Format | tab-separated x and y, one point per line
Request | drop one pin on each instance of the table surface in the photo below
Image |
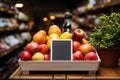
101	74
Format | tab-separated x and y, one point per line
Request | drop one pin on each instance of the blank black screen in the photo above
61	50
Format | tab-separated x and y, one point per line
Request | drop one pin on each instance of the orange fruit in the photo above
52	36
40	37
42	31
54	29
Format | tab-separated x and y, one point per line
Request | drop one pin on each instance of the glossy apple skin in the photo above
91	56
32	47
78	55
47	56
25	55
76	46
43	48
78	35
86	48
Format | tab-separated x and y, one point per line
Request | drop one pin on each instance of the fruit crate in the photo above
60	61
80	65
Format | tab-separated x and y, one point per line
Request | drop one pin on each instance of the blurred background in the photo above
21	19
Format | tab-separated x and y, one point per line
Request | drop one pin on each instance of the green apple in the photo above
38	56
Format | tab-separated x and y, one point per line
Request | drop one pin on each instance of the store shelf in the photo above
101	6
7	29
88	18
7	12
12	38
6	52
12	30
116	2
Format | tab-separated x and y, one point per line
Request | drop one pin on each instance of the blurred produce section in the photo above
14	34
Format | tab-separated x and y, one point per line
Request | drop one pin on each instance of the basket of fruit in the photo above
38	54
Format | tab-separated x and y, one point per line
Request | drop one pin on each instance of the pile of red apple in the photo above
82	50
35	51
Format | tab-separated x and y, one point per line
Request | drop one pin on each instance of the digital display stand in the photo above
61	50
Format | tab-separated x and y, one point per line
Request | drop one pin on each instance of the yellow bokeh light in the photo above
52	17
19	5
45	19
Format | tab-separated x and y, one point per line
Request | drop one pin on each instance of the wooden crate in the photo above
80	65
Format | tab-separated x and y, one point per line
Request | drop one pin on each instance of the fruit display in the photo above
40	46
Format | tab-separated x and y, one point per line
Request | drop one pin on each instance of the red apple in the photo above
86	48
76	46
91	56
78	55
47	56
43	48
78	35
25	55
32	47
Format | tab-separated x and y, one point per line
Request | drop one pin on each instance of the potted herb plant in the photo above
106	39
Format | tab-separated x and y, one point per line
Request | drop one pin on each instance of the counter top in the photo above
101	74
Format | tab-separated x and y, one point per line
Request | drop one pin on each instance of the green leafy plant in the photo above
108	34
